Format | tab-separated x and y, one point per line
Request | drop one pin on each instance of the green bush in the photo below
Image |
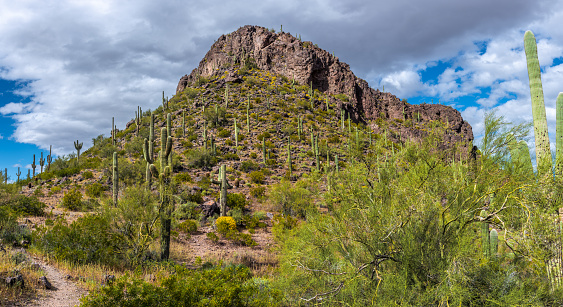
72	200
247	166
214	287
94	190
188	210
116	236
212	237
200	158
258	191
257	177
54	190
183	177
188	226
23	205
225	133
10	231
87	175
236	200
291	199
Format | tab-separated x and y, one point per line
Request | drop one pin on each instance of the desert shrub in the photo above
188	226
241	238
247	166
236	200
72	200
282	225
253	155
94	190
87	175
212	237
231	156
200	158
215	286
225	224
256	177
188	210
225	133
54	190
10	231
258	191
291	199
183	177
116	236
264	135
215	117
23	205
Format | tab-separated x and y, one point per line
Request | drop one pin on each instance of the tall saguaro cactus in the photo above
78	147
223	186
115	178
33	165
164	175
18	174
559	136
148	152
41	162
49	158
543	152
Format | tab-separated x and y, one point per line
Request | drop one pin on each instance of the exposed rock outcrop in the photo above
281	53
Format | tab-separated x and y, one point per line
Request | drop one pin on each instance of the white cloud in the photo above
91	60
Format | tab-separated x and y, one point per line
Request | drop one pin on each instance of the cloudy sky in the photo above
68	66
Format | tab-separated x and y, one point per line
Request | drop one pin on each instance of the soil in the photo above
65	292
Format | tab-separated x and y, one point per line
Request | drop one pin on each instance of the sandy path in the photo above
65	292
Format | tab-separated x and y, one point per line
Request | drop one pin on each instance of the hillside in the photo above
251	186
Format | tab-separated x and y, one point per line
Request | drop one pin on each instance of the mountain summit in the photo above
305	63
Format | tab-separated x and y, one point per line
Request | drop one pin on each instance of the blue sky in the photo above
67	67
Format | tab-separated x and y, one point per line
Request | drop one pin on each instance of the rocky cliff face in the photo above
281	53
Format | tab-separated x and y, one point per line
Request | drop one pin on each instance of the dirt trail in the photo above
64	293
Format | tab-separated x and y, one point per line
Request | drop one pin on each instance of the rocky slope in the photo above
281	53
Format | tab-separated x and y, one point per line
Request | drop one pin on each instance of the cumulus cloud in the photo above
88	61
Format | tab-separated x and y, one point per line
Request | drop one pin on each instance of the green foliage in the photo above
258	191
188	226
212	237
72	200
22	205
200	158
94	190
257	177
236	201
116	236
247	166
188	210
216	286
10	231
225	133
293	200
183	177
87	175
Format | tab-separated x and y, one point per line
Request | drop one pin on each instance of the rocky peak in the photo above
283	54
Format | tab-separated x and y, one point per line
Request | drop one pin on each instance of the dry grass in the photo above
12	263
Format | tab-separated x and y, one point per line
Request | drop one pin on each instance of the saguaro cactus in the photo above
485	236
543	152
115	177
493	242
148	152
223	186
78	147
18	174
183	124
113	131
41	162
33	166
559	136
166	206
289	156
49	158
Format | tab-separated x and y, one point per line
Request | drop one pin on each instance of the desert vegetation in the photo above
261	191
